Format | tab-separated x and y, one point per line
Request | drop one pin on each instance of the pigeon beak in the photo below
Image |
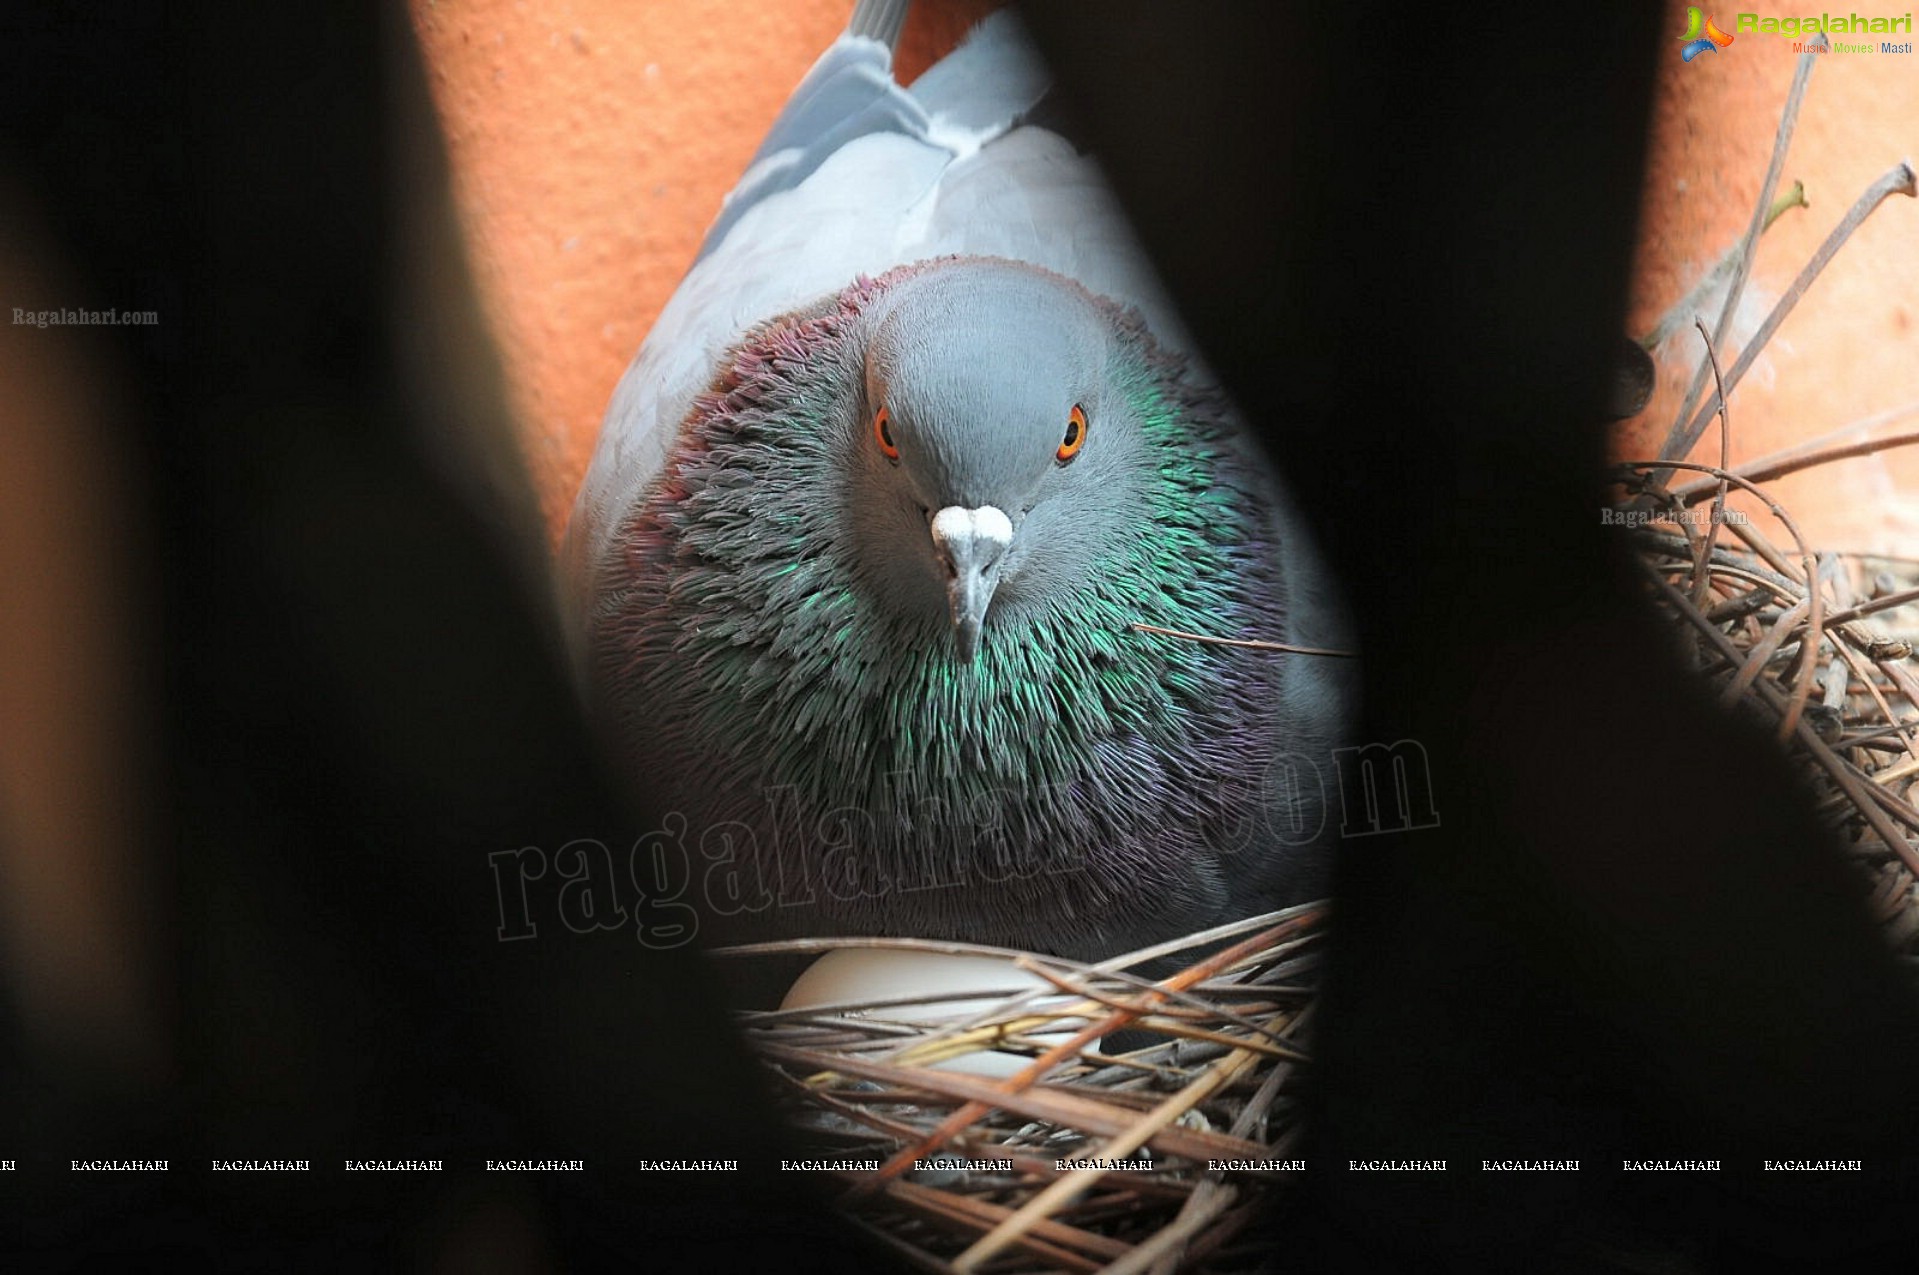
970	544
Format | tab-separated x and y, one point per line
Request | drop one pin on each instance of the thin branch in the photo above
1013	1089
1677	445
1725	462
1815	619
1898	180
1249	644
1890	602
1143	1131
1820	451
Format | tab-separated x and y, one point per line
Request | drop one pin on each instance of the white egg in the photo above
856	975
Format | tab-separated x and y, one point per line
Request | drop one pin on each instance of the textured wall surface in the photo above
1851	347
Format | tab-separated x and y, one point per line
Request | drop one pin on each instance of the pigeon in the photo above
857	565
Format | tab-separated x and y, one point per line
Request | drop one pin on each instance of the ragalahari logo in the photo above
1701	34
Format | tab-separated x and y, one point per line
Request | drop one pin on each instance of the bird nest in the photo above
1793	639
1150	1159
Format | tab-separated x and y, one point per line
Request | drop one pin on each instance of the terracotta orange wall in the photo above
1851	347
590	143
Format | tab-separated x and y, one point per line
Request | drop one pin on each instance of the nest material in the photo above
1212	1105
1215	1104
1792	636
1817	663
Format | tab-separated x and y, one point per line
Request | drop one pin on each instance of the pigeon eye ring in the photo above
883	430
1075	434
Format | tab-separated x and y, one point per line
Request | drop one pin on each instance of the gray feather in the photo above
849	94
989	85
879	20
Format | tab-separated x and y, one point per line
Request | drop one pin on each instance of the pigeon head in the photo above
991	438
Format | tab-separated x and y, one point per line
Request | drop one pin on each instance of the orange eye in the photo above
1075	434
883	431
